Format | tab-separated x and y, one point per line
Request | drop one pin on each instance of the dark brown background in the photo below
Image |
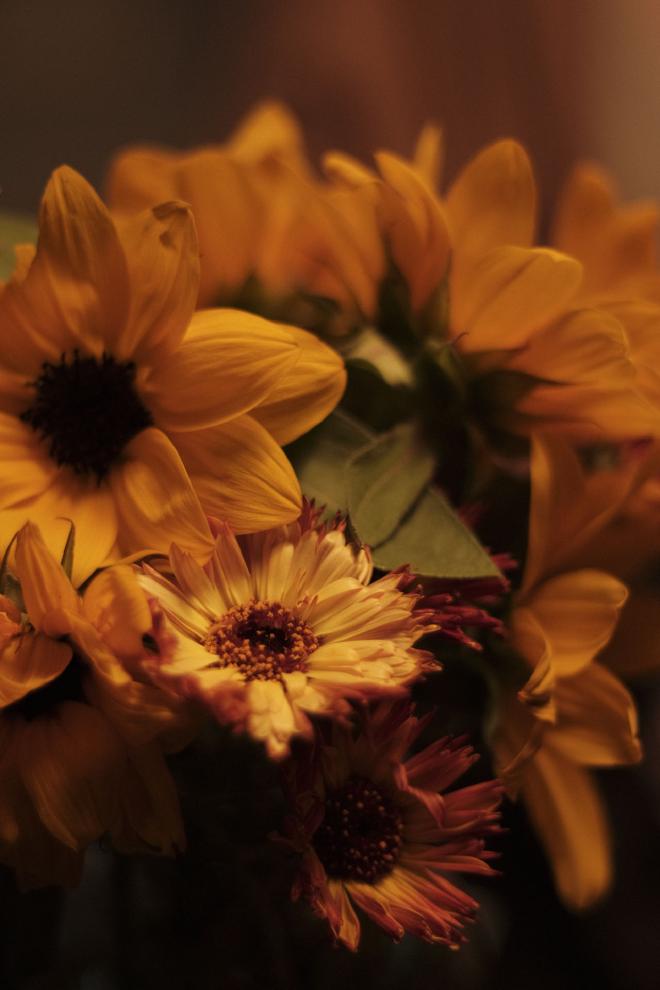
569	77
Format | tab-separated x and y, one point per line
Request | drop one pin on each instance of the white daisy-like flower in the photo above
283	624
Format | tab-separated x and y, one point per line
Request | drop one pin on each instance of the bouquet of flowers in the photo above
287	455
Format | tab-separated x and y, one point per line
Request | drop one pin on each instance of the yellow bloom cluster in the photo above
161	564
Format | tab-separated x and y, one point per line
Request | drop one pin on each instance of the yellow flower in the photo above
571	705
113	392
283	625
374	831
82	740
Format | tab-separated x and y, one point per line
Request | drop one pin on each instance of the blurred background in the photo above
571	79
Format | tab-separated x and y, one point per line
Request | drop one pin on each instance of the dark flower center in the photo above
67	686
262	639
361	833
86	410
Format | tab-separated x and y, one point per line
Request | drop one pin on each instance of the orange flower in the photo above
383	834
284	625
571	705
112	392
82	740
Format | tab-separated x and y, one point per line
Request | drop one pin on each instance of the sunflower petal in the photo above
44	585
229	362
28	662
241	475
155	501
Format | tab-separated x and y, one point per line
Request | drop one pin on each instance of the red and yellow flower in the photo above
283	625
385	833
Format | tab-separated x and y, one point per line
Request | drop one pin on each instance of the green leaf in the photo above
14	229
384	481
435	543
321	456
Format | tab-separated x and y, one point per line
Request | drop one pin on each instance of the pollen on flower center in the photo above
262	639
361	833
86	410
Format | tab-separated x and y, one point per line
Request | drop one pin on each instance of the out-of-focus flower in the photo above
82	740
266	225
382	832
112	392
283	625
571	706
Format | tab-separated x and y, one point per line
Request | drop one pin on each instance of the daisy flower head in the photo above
82	739
382	832
282	625
125	411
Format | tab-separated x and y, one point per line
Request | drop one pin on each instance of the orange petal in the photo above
71	765
163	263
597	723
117	608
269	130
150	814
229	362
571	821
509	295
577	612
306	394
241	475
429	153
28	662
140	177
155	501
493	201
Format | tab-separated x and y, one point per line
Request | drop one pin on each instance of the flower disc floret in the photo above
361	833
263	640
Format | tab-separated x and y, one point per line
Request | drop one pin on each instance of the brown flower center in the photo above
360	836
86	410
262	639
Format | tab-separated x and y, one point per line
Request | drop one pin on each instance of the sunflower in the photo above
382	832
112	393
82	740
571	706
282	625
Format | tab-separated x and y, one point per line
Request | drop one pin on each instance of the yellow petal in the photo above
493	201
27	471
150	814
155	501
241	475
44	585
597	720
569	816
577	612
28	662
306	394
510	294
79	266
416	227
229	362
163	264
71	764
